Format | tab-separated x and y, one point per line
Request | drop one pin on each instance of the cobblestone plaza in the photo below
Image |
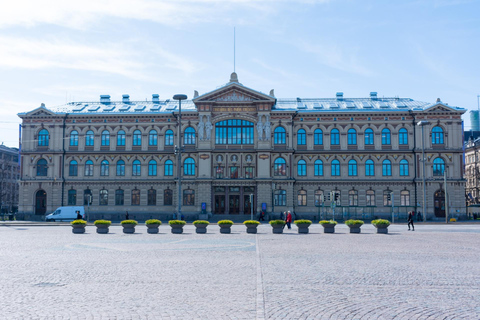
50	273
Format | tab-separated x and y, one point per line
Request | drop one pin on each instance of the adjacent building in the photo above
9	176
357	157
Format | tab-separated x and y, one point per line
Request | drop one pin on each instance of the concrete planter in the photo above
225	228
355	228
201	228
328	228
177	228
128	228
251	228
382	230
152	228
277	229
303	227
102	229
78	228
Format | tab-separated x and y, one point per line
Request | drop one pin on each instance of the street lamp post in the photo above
178	151
422	124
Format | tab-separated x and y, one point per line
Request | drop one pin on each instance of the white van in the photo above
65	214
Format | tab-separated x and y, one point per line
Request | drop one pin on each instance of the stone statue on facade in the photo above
260	128
267	129
208	128
201	129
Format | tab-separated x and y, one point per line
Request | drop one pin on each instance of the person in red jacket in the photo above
288	220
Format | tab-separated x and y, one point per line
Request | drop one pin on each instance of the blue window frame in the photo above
279	135
152	168
352	137
74	138
318	137
369	140
352	168
73	168
43	138
318	168
301	137
168	168
302	168
386	168
105	138
335	168
369	168
137	138
334	137
280	167
189	167
121	138
403	168
120	168
437	135
169	138
234	131
136	168
89	140
403	136
189	136
42	168
89	168
438	167
152	138
104	168
386	137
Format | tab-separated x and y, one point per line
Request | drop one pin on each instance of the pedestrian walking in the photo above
419	216
288	220
126	216
411	215
79	216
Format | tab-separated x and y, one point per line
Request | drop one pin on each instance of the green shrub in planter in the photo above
225	222
200	222
106	223
129	226
255	222
176	222
381	223
303	225
352	222
304	222
277	223
251	226
129	222
328	222
78	222
328	226
153	221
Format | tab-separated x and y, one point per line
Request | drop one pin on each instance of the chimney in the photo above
105	99
373	95
125	98
155	98
339	95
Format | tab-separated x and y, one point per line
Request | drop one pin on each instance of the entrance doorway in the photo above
234	204
247	204
439	203
40	202
233	200
219	204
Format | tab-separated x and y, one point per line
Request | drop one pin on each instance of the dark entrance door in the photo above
40	202
234	204
219	204
247	205
439	204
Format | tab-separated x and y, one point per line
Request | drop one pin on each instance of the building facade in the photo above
9	176
357	157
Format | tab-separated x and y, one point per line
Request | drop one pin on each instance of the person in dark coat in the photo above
79	216
410	218
126	216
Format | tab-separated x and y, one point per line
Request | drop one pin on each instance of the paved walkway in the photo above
49	273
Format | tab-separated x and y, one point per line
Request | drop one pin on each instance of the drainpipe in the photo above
414	157
63	159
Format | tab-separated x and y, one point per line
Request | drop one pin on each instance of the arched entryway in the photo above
439	203
40	202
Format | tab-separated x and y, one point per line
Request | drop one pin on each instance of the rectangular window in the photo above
72	197
188	197
167	197
119	198
152	197
280	198
103	197
233	172
249	173
135	197
219	174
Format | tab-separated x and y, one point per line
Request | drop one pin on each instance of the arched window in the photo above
121	138
169	138
280	197
335	168
370	198
73	168
167	197
105	138
189	167
104	168
437	135
189	136
87	197
404	198
352	168
152	168
137	138
188	197
280	167
120	168
301	137
168	168
353	198
403	136
74	138
152	197
279	135
89	168
386	137
234	131
352	136
438	167
136	168
369	168
302	168
318	137
135	197
318	168
318	198
334	137
302	198
103	197
386	168
43	138
387	198
152	138
72	197
89	138
369	137
403	168
119	197
42	168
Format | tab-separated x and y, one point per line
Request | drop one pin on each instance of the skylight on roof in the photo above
171	107
78	109
400	104
301	106
93	108
109	108
316	105
140	108
124	108
383	104
155	108
350	104
366	105
334	106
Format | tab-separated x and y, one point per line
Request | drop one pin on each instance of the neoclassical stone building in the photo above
290	154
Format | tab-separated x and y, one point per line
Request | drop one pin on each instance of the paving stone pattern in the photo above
49	273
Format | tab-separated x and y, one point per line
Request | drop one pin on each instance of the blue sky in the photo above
57	51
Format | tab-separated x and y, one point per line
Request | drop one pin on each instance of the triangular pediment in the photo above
40	112
440	107
233	92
